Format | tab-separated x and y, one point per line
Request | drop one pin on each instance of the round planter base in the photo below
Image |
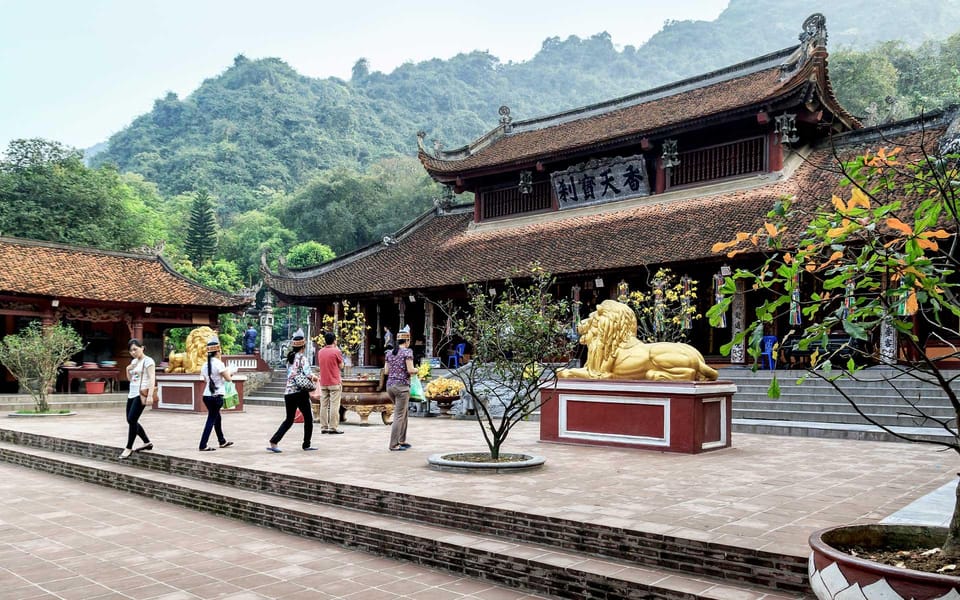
439	462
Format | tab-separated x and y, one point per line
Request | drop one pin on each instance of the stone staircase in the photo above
540	554
815	409
270	394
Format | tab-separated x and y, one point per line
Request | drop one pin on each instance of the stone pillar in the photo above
737	318
266	323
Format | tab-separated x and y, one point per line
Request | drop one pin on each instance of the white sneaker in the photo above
126	452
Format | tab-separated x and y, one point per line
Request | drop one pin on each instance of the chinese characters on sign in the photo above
599	181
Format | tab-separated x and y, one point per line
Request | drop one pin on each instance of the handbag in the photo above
303	383
145	393
231	397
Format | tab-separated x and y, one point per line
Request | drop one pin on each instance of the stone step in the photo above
846	431
723	568
843	407
834	417
524	566
13	403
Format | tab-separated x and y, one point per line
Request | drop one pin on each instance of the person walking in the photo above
330	363
399	367
141	372
214	373
294	398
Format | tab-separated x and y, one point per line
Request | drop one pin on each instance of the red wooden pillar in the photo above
661	183
774	153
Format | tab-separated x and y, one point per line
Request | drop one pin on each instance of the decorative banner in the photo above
658	306
718	297
601	180
685	302
848	292
795	301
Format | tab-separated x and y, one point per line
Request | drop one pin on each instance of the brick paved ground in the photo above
62	539
765	492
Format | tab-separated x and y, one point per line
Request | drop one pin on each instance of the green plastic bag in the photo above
416	388
231	397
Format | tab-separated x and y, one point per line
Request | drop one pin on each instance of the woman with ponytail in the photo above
214	373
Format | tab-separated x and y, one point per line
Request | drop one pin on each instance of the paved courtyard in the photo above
765	492
67	540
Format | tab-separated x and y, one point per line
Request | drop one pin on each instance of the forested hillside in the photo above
260	127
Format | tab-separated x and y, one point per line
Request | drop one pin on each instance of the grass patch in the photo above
61	411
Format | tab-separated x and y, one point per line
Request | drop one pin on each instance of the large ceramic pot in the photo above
362	397
836	574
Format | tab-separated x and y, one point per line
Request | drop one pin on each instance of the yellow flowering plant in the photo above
443	387
666	312
424	370
350	328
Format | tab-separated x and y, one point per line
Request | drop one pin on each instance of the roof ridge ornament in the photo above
505	118
389	240
813	36
443	203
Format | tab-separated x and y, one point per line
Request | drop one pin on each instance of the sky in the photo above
78	71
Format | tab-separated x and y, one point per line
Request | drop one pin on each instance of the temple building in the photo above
107	297
604	195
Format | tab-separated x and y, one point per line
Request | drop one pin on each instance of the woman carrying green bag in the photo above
216	375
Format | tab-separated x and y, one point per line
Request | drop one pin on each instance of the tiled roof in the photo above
442	251
46	269
748	85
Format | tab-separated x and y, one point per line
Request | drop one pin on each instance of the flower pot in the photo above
94	387
835	573
444	403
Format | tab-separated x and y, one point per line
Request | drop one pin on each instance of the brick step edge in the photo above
572	577
776	572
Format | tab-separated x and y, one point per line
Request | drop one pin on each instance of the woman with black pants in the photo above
141	372
294	398
214	373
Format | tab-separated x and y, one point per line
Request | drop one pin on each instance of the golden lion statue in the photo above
614	352
195	357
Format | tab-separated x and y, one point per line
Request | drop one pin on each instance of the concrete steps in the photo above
539	554
270	394
15	402
815	409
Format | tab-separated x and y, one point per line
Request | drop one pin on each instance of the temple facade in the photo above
605	195
107	297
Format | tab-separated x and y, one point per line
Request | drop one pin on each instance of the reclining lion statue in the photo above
195	357
614	352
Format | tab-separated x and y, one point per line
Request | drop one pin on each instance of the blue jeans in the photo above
213	404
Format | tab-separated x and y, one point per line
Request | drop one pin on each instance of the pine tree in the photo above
201	242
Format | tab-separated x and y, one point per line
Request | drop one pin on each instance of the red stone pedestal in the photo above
184	392
671	416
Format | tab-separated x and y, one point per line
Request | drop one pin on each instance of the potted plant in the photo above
34	357
444	392
877	261
514	331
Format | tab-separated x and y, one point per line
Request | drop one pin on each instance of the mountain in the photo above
260	128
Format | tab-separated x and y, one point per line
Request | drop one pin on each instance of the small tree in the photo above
34	357
667	311
514	333
881	261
